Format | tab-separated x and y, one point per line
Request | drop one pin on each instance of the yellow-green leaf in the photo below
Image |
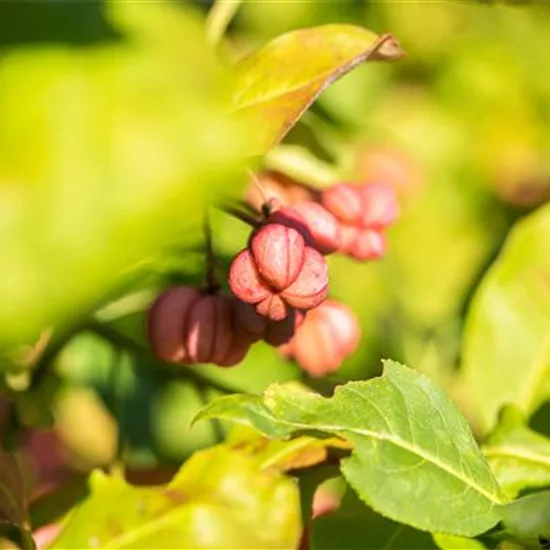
219	499
519	456
506	352
279	82
107	154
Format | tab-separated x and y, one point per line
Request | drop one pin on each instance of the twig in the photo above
241	215
218	19
212	284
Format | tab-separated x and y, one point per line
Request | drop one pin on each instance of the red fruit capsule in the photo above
278	272
344	202
274	333
278	253
209	330
379	205
245	281
327	336
167	323
363	212
369	245
316	224
185	326
310	288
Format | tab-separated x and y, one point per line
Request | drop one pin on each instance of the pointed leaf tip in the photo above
389	49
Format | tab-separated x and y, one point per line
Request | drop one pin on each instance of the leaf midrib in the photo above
325	78
415	449
398	442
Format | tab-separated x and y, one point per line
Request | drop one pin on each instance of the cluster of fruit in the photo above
279	281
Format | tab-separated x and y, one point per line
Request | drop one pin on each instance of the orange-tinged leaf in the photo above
280	81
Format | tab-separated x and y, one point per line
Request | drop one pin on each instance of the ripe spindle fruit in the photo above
379	206
279	271
364	212
328	335
186	326
316	224
274	333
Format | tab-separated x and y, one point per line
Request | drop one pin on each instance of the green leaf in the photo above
355	527
448	542
506	351
410	443
113	152
219	499
280	81
528	517
518	456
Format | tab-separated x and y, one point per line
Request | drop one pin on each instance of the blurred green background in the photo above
112	142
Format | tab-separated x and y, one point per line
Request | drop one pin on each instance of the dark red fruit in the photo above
274	333
185	326
167	322
327	336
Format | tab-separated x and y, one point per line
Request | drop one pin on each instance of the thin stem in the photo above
218	19
211	282
115	383
241	215
242	204
258	185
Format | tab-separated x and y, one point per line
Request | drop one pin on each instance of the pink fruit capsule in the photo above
210	330
278	253
167	322
327	336
310	288
380	207
369	245
278	272
344	202
245	281
316	224
187	327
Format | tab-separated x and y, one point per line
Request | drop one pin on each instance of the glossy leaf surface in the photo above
399	425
